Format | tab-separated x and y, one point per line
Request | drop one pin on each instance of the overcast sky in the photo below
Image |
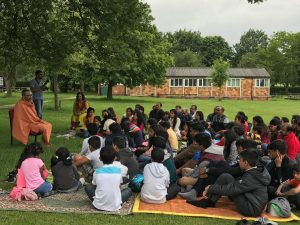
227	18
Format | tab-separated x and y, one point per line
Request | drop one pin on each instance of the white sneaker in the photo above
82	181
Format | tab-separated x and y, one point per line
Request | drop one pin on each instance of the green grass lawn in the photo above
61	122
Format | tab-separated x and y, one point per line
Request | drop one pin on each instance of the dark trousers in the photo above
294	199
202	183
271	192
38	103
243	205
172	191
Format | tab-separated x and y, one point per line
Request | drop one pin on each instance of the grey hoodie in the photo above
252	184
156	182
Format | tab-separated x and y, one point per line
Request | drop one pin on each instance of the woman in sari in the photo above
79	111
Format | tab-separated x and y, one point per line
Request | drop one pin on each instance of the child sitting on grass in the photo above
249	192
65	174
34	170
107	179
156	179
291	188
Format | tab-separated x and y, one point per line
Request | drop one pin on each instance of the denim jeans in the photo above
143	161
43	188
90	191
38	103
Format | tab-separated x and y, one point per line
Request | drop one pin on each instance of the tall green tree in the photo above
250	42
187	59
184	40
49	37
213	48
283	58
11	51
219	74
123	42
257	59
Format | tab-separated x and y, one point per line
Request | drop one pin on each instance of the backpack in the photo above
279	207
136	183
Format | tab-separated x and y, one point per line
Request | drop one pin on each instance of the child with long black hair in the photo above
66	177
34	169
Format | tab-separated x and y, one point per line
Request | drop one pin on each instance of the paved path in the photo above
12	105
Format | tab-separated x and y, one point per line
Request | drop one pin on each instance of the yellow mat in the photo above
225	209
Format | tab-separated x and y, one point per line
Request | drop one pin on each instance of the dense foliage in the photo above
80	43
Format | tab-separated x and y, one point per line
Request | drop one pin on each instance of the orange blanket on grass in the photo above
225	209
25	120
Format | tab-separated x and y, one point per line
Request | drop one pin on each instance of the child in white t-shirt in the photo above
107	179
88	163
156	179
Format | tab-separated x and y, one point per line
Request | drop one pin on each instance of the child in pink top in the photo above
34	170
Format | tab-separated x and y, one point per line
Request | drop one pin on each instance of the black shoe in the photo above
203	203
47	194
243	222
11	177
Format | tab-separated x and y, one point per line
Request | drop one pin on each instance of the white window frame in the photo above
179	82
262	83
234	82
208	82
191	82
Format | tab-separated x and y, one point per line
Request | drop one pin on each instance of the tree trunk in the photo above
82	86
8	85
55	92
286	88
10	78
109	91
219	93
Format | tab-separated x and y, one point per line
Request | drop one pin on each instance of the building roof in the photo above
205	72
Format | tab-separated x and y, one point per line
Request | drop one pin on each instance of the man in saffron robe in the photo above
25	120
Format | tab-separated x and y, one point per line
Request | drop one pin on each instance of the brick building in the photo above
243	83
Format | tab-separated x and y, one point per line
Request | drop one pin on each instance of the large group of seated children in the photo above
171	153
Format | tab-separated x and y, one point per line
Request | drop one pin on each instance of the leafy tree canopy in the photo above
122	40
187	59
213	48
250	41
184	40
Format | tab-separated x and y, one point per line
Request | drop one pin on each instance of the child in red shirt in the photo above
291	188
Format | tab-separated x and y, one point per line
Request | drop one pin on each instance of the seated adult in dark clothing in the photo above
116	130
209	175
281	166
210	117
157	112
219	120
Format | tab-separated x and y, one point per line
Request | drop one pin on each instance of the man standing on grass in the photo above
37	87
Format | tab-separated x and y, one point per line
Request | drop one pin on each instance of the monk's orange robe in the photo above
26	120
